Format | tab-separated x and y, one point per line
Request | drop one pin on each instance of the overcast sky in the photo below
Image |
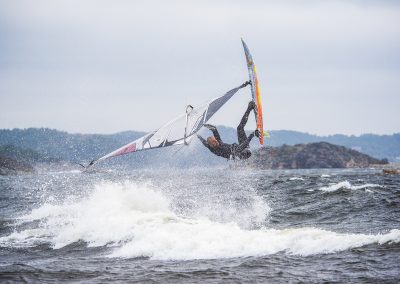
325	67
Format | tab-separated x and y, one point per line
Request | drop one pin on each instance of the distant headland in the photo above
24	149
311	156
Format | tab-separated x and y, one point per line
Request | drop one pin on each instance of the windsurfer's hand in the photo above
257	133
209	126
245	84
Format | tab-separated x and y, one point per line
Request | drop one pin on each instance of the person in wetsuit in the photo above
231	151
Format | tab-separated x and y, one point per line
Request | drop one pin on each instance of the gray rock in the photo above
312	155
9	166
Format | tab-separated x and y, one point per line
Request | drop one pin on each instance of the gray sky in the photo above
325	67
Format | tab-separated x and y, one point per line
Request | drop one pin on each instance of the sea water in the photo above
200	225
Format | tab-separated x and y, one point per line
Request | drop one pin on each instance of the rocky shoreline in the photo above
9	166
301	156
309	156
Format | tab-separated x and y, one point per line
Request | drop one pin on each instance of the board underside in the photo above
255	91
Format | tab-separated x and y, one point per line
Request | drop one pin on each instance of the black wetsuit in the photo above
232	151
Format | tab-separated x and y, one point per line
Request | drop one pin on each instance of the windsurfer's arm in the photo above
246	143
203	140
214	131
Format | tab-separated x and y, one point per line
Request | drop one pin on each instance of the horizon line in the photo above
144	132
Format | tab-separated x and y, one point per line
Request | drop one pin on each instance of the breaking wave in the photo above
136	220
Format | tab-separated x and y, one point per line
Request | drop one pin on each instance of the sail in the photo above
176	132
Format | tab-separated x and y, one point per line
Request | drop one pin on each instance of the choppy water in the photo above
201	226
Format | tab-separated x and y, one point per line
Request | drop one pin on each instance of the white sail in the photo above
176	132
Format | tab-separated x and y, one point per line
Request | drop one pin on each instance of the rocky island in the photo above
10	166
309	156
17	160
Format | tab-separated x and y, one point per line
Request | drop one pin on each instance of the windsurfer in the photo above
231	151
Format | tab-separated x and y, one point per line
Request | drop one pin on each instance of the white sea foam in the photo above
136	220
296	178
246	211
204	240
108	215
346	185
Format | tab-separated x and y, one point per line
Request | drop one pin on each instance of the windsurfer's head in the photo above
212	142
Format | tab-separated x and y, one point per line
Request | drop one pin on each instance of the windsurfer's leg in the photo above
245	154
240	129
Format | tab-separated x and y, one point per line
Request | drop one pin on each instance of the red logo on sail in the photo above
127	149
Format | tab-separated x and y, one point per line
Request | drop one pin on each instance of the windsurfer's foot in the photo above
252	106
